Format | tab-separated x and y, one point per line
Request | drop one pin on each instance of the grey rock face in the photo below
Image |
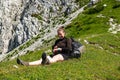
20	20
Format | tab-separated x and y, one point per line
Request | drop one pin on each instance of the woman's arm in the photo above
54	47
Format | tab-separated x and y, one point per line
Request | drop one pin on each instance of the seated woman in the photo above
61	51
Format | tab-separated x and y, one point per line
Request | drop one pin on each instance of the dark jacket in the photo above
65	44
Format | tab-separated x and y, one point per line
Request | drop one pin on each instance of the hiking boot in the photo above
45	59
22	62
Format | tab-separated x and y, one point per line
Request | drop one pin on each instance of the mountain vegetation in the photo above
98	28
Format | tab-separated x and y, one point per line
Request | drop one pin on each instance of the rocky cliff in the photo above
21	20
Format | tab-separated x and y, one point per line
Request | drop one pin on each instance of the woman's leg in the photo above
35	63
55	58
49	59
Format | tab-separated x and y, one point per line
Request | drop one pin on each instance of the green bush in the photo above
51	9
81	2
116	5
37	16
95	9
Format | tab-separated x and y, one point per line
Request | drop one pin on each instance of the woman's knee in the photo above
58	57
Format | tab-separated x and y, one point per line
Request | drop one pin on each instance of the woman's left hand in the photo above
56	50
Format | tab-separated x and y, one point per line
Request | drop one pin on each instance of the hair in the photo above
61	28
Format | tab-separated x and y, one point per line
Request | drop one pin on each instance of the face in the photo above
61	34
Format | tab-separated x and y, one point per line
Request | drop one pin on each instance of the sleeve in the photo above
54	44
68	49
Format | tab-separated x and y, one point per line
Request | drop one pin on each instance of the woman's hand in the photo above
57	49
54	50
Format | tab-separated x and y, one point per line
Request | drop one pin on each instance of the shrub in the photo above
81	2
51	9
95	9
116	5
37	16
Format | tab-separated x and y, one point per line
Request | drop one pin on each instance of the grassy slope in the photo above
95	64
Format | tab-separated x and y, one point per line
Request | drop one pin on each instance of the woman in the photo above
61	51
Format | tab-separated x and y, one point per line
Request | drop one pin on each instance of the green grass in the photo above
101	61
94	64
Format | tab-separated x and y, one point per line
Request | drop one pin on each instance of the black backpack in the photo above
77	49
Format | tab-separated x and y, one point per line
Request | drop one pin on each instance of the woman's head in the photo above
61	32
